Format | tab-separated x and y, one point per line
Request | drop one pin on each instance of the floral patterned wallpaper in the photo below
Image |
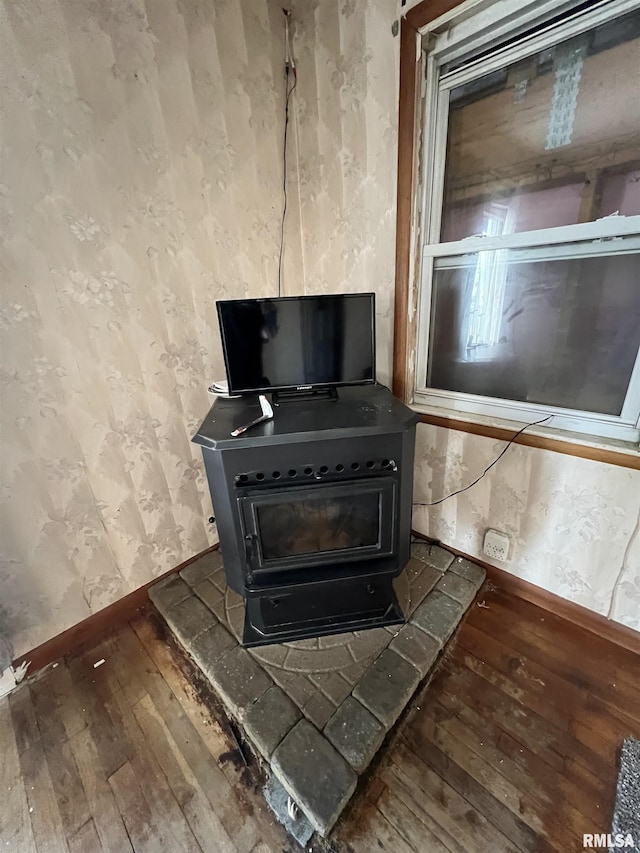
344	174
575	523
141	181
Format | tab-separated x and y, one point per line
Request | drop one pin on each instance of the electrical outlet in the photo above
496	545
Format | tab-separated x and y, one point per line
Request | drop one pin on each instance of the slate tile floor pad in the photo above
328	701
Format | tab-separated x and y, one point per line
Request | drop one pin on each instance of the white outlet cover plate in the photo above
496	545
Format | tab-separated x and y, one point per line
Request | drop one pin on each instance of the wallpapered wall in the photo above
344	173
574	522
141	181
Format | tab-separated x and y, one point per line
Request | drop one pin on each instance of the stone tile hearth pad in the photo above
417	647
329	700
269	719
438	616
355	733
386	687
239	680
314	773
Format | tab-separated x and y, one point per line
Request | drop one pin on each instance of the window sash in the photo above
608	236
572	25
458	405
436	112
482	24
624	426
612	235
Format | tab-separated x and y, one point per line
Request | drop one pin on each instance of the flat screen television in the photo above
298	343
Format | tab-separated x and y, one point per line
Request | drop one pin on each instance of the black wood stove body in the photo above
313	510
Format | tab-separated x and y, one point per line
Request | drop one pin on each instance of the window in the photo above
529	301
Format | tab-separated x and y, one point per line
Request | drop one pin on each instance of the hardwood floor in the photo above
125	756
512	746
514	743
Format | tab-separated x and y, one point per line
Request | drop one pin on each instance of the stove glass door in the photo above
306	526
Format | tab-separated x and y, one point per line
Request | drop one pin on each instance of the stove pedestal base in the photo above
319	609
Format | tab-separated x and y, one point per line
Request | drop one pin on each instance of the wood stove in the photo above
313	510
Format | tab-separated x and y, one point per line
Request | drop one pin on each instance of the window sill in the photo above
612	452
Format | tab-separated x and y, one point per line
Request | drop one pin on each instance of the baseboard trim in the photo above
98	624
578	615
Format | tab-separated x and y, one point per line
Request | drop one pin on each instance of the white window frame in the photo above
471	25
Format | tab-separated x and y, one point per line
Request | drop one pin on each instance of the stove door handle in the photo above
250	540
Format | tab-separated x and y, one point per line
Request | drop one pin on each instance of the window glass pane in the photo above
551	140
554	332
318	524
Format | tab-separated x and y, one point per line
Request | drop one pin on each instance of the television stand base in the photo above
295	396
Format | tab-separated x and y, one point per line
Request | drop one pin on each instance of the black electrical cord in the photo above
489	467
289	91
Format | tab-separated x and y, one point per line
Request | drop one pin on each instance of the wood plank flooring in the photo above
513	746
124	756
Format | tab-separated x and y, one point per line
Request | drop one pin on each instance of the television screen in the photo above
297	342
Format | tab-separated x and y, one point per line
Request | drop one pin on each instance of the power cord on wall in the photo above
289	68
488	468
